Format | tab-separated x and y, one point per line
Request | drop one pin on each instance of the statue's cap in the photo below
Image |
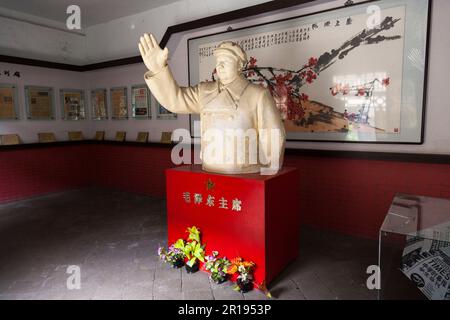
233	49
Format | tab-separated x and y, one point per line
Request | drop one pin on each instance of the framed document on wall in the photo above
140	101
119	103
99	105
343	75
9	106
72	104
39	103
163	113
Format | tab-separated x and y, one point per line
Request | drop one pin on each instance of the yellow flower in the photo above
232	269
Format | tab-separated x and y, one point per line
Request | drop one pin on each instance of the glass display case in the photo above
414	249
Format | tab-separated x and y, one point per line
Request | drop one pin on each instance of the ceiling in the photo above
92	11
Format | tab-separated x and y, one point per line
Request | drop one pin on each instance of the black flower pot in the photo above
178	263
220	280
192	269
244	286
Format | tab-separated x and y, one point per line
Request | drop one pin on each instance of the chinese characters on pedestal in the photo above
210	201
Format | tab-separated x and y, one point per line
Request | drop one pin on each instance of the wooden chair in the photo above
166	137
46	137
99	135
142	137
121	136
75	135
9	139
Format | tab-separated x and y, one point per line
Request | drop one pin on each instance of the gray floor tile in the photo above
113	237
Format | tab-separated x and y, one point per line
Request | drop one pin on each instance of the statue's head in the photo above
230	60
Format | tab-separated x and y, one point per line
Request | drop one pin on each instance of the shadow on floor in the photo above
113	237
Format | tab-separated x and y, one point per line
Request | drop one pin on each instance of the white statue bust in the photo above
241	128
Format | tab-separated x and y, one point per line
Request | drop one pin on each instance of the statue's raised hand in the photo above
154	57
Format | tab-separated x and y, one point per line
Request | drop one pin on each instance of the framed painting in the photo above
140	102
351	74
39	103
9	103
119	103
72	104
99	104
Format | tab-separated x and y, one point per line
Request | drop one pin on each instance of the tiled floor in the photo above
113	237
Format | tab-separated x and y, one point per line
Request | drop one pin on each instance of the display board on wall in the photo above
140	102
119	103
72	104
335	75
163	113
99	105
9	106
39	103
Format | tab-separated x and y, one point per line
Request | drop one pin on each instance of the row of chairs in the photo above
46	137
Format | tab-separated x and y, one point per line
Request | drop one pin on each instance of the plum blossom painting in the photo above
352	74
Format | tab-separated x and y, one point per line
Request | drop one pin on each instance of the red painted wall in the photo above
353	196
345	195
29	172
130	168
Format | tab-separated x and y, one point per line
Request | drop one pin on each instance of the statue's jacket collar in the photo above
214	96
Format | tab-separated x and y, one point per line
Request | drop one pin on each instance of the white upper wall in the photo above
28	36
41	40
437	124
57	79
119	38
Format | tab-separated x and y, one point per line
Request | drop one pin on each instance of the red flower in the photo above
361	92
312	61
281	79
386	82
252	62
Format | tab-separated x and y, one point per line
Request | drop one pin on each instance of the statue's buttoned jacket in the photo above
239	105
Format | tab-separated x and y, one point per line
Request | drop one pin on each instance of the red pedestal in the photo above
252	216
